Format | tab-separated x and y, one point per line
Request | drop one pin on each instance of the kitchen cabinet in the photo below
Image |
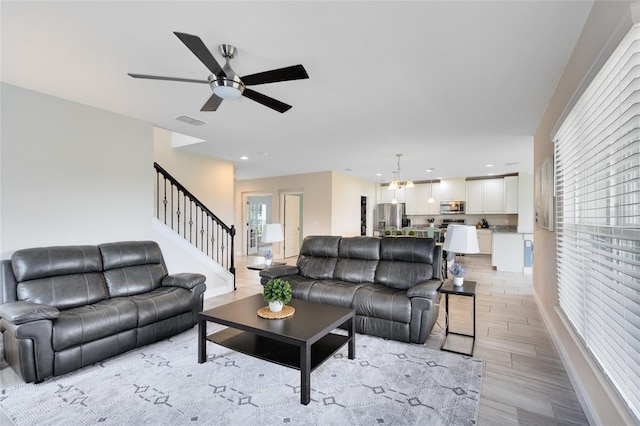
485	241
387	195
511	194
485	196
417	199
452	190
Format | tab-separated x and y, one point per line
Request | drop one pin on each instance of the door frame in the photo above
245	213
282	216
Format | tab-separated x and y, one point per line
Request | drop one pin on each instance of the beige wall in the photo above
600	403
345	204
209	179
331	201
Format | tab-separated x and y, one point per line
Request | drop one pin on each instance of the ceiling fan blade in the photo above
157	77
266	100
295	72
212	104
196	45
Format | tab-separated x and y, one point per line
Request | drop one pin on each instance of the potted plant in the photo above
268	258
278	293
458	273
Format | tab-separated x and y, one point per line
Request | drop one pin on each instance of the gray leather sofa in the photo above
392	283
64	308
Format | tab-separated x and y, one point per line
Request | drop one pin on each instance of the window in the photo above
597	177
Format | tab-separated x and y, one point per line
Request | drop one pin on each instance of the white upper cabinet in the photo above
511	194
387	195
452	190
485	196
417	199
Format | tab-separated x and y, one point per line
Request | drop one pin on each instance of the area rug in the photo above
389	383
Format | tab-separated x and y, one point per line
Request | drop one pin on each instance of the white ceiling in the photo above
451	85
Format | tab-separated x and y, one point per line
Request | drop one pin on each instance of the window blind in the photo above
597	188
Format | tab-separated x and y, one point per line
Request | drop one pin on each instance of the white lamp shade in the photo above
272	233
461	239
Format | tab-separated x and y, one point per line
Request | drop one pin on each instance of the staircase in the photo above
188	217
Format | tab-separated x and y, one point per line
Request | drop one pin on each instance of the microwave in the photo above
452	207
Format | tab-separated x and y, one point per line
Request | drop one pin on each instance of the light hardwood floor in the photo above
524	381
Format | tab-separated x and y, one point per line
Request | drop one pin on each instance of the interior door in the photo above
292	210
254	220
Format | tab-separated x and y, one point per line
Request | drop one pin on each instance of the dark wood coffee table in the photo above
303	341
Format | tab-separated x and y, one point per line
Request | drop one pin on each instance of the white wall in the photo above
600	402
73	174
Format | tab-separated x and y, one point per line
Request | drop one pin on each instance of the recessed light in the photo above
491	174
378	174
430	169
489	165
244	157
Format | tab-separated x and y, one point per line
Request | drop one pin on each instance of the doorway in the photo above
257	213
292	223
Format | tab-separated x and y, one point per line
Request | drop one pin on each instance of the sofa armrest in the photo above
427	289
279	271
186	280
22	312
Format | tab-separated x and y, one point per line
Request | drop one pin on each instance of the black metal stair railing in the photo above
186	215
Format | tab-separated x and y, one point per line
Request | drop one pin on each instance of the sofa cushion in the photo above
91	322
134	279
382	302
318	257
358	259
132	267
402	275
64	291
45	262
162	303
64	276
365	248
407	249
405	262
320	246
332	292
130	253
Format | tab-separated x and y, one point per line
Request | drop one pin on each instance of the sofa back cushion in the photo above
318	256
64	277
405	262
132	267
358	259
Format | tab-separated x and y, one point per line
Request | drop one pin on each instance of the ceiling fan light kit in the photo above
224	81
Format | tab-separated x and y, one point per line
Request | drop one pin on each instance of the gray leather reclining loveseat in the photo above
68	307
392	283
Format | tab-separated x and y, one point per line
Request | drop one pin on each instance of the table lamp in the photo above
271	233
461	239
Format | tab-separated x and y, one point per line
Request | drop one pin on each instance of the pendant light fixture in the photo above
397	183
431	199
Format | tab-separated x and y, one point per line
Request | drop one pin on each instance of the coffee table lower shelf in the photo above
277	352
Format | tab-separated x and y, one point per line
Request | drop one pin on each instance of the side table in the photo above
261	266
468	289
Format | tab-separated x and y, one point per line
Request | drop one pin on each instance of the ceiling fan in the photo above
225	83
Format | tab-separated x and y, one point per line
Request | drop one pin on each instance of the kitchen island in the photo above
512	251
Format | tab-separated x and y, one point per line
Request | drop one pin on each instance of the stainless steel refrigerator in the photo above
388	214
